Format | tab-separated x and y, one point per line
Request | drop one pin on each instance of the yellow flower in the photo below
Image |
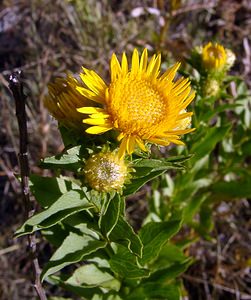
138	103
62	101
106	172
214	57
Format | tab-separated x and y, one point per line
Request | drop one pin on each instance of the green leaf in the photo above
154	236
212	113
168	255
55	234
192	207
110	216
68	204
123	234
186	192
92	276
144	167
206	145
235	189
74	248
84	222
148	169
124	263
48	189
206	220
137	183
85	292
69	159
155	290
165	275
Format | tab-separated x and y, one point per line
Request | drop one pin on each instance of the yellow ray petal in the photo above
90	110
130	144
90	95
141	144
98	129
143	61
156	66
99	116
124	64
122	148
187	101
91	121
92	85
179	132
120	136
135	62
115	67
96	78
159	141
177	142
184	84
171	72
184	115
151	64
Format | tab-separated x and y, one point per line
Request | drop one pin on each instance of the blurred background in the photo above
44	39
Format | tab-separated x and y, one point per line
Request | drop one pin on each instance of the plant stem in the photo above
16	87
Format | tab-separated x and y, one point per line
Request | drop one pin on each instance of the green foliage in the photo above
88	226
98	254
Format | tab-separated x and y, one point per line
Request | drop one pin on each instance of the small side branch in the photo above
16	87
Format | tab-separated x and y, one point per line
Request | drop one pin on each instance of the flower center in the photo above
136	105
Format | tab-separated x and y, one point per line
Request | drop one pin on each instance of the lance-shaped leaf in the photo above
155	290
148	169
166	275
74	248
69	160
137	183
123	234
125	264
68	204
145	166
92	276
154	236
85	292
205	146
110	216
48	189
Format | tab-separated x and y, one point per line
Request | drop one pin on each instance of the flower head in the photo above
62	101
214	57
105	172
138	103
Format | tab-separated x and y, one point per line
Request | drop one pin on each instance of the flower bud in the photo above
106	172
214	57
211	88
62	101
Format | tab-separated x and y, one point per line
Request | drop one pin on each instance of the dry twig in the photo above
16	86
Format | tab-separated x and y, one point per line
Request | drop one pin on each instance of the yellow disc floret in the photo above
105	172
143	109
139	104
214	57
